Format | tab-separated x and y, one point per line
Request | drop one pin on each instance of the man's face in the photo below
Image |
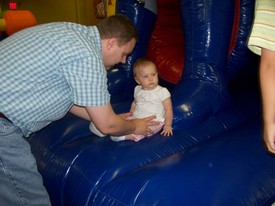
118	54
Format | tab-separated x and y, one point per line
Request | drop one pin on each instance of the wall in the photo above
79	11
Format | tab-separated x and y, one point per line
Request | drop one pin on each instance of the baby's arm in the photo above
167	128
130	113
133	106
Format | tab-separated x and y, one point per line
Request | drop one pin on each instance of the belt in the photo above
3	116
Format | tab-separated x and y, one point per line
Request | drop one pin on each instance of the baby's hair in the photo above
142	62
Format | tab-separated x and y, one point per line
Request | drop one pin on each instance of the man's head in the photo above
119	36
119	27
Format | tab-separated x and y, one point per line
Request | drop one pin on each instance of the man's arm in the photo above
267	81
110	123
80	112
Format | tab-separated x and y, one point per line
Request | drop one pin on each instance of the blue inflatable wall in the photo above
216	155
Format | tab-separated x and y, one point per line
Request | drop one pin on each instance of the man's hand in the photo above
142	125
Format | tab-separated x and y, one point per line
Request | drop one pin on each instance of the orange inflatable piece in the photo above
17	20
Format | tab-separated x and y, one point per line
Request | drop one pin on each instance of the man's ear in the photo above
111	43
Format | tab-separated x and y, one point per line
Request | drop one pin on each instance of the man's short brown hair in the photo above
117	26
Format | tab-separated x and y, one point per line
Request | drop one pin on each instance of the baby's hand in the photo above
167	130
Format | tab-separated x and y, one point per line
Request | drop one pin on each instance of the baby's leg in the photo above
122	138
94	130
155	128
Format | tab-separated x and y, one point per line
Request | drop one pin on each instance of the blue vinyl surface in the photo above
216	155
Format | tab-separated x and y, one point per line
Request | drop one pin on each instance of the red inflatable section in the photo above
166	47
235	26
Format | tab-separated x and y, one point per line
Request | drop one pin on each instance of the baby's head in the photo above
146	74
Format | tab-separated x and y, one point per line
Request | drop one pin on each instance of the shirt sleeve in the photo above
263	30
87	78
165	93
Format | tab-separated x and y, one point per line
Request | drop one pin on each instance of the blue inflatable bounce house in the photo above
216	156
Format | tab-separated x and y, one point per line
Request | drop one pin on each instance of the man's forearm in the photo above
80	112
267	81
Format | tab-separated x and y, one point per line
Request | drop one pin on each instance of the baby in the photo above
149	99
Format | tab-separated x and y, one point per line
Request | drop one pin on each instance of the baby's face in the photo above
147	77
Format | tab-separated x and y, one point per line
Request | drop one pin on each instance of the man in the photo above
262	42
46	71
